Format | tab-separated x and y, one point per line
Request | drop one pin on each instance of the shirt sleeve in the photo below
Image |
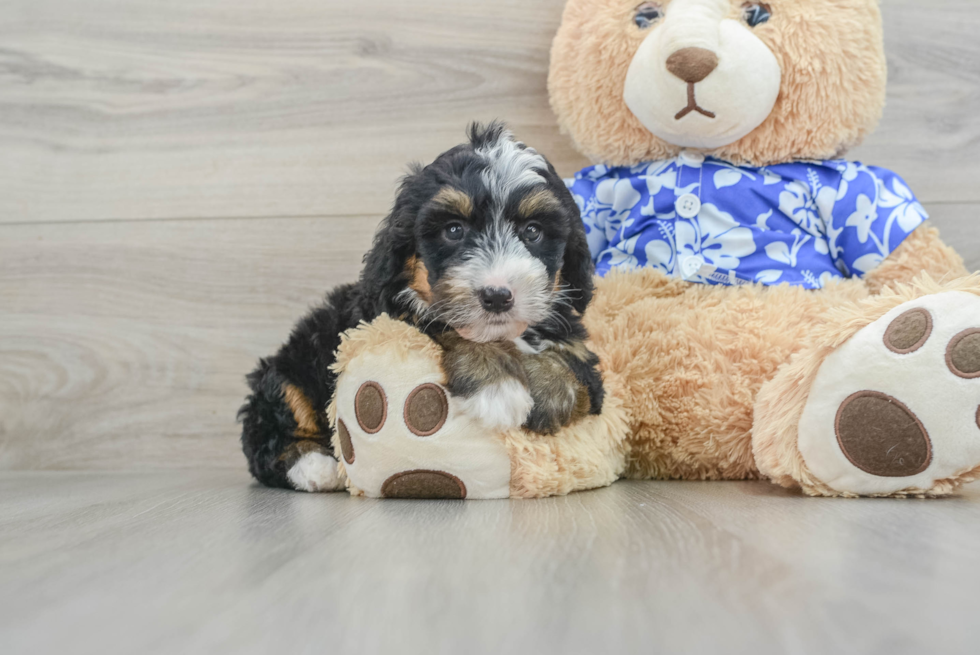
873	214
583	190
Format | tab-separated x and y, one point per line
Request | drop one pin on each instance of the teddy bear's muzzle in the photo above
717	83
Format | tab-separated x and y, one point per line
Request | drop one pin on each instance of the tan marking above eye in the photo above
538	201
455	201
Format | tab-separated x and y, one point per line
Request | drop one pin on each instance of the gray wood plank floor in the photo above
203	562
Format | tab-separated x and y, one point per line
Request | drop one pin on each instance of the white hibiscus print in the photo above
801	207
863	218
784	253
598	173
867	263
660	255
849	172
716	237
728	175
771	276
612	204
762	221
907	211
594	234
660	176
820	282
838	215
618	259
769	178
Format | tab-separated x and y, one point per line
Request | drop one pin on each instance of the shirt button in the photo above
691	158
688	205
691	267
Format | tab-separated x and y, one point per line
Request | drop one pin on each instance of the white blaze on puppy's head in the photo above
500	288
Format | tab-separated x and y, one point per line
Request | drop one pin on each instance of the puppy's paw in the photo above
315	472
503	405
550	414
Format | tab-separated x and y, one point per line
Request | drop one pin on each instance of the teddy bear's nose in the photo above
692	64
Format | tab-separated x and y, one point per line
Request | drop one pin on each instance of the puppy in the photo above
486	253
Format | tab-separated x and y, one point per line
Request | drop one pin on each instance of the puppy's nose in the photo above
692	64
496	300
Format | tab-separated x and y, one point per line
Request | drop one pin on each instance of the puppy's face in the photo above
491	239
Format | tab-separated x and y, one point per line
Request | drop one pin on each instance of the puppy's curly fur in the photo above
486	253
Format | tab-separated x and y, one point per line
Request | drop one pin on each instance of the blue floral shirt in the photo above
704	220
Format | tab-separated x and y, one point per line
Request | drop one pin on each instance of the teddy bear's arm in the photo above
922	252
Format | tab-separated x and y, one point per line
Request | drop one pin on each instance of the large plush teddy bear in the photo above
767	308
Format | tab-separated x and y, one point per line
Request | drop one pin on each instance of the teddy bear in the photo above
765	308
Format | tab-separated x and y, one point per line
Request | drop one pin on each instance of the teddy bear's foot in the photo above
896	409
399	432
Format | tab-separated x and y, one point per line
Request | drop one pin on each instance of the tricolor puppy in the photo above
486	253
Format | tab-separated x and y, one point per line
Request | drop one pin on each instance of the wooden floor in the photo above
204	562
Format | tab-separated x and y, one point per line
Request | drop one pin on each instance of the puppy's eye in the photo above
647	14
756	14
454	232
532	233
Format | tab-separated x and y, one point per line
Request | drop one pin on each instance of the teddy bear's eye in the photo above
756	14
647	14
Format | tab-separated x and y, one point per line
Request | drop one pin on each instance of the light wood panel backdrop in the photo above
180	180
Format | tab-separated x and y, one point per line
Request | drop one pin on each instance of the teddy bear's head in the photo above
751	82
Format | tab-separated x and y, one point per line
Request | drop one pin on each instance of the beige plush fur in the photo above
831	53
780	403
700	374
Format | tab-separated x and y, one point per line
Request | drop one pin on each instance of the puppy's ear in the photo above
384	276
578	267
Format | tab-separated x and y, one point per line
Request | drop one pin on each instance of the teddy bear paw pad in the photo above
402	436
896	409
424	484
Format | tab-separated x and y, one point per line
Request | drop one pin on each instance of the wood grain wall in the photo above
180	180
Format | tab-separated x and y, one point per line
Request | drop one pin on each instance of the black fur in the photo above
412	229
